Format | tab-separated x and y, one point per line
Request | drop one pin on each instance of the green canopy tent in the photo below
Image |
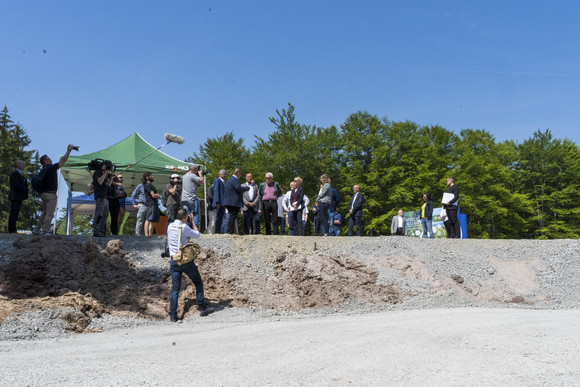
133	156
124	154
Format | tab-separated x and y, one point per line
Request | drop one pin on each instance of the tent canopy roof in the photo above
123	155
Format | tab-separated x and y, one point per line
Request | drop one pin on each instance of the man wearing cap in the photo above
173	189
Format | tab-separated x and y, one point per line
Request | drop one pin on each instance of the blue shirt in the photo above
138	195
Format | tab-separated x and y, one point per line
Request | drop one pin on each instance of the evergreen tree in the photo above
549	172
487	186
13	141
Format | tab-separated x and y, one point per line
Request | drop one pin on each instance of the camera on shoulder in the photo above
97	164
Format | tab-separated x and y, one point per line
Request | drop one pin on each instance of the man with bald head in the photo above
18	193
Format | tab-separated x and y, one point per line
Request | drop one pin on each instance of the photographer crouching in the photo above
102	180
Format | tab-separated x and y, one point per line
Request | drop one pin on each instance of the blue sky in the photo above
91	73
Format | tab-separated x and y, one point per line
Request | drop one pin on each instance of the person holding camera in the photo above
48	194
102	180
173	197
191	181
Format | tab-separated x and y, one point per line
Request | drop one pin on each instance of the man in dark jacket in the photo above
450	205
233	201
18	193
355	211
218	201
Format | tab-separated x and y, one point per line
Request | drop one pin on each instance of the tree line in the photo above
509	189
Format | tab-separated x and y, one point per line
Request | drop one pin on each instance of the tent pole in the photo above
67	226
205	202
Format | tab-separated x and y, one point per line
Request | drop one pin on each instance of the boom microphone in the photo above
174	138
169	138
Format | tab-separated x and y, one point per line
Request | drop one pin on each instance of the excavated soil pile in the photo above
81	280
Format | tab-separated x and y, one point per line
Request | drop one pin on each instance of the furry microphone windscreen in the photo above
174	138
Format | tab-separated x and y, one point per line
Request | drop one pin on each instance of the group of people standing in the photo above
227	198
449	214
45	183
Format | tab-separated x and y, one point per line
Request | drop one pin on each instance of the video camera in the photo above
202	169
97	164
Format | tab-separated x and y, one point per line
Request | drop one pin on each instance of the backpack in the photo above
210	194
164	197
37	181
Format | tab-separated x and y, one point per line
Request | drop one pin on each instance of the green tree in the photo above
362	141
487	186
13	141
294	149
224	152
549	173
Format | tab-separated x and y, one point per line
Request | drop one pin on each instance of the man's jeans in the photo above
190	269
219	218
290	223
427	225
100	218
192	206
141	215
330	223
281	225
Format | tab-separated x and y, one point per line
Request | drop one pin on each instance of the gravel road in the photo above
421	347
292	311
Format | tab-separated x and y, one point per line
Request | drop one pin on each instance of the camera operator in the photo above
173	198
102	180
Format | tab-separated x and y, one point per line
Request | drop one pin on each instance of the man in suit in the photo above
399	225
251	206
233	192
355	211
18	193
218	199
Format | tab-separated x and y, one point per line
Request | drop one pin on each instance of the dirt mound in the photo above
83	280
56	272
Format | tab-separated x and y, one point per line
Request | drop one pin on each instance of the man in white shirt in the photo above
251	206
189	268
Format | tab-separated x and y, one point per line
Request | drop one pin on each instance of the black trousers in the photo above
233	211
15	207
454	228
298	223
355	220
114	208
271	216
